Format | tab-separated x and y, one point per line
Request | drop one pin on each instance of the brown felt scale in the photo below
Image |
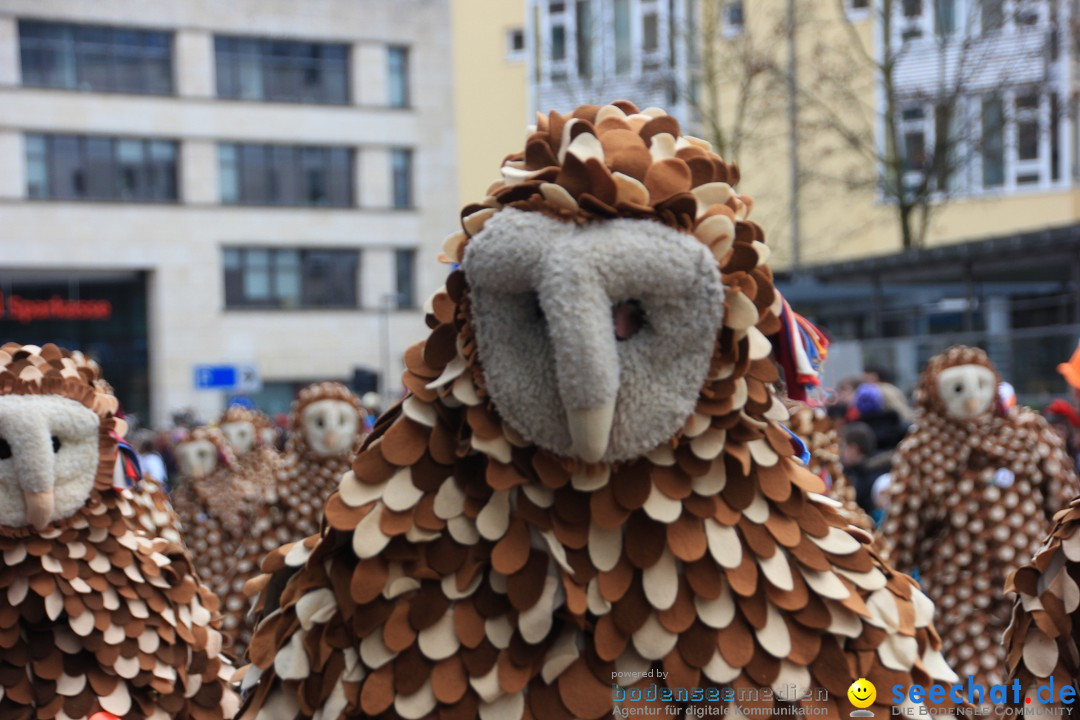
97	614
818	432
1043	640
974	488
465	570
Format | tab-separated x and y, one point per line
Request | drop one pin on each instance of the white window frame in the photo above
858	13
729	29
925	124
512	54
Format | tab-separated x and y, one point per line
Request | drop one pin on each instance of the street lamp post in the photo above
390	301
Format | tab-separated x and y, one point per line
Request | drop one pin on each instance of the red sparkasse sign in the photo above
26	310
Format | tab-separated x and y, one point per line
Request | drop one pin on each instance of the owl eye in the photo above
628	317
959	388
344	418
536	311
5	449
55	444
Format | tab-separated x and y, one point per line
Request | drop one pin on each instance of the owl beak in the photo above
590	430
330	441
39	507
971	405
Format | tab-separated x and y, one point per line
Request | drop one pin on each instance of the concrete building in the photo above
197	183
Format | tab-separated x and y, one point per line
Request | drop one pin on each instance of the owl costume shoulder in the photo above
973	492
588	480
96	614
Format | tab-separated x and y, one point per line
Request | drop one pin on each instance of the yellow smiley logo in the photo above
862	693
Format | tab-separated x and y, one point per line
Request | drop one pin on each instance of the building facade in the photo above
980	98
245	184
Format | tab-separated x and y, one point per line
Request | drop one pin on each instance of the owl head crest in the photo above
616	161
53	370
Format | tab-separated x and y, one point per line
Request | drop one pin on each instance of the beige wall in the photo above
490	91
842	216
180	245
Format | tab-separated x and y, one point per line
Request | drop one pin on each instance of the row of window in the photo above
113	59
603	37
88	167
299	278
949	17
1002	140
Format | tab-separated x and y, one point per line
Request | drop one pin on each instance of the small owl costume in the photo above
98	617
973	490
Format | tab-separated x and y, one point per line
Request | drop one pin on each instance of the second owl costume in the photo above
973	491
588	480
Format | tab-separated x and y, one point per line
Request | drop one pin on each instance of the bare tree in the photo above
732	86
916	172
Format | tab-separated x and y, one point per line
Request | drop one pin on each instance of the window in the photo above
992	15
859	5
515	43
913	134
398	65
1027	127
285	175
290	278
93	57
405	264
912	8
944	17
558	43
650	33
81	167
623	42
734	19
401	181
993	142
583	19
1027	12
281	71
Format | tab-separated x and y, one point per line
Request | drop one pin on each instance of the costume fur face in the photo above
197	458
967	391
595	338
49	447
329	426
240	435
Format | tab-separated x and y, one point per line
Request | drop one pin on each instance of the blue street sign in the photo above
215	377
244	378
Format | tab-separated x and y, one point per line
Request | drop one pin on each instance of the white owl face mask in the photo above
330	427
240	435
197	458
967	391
